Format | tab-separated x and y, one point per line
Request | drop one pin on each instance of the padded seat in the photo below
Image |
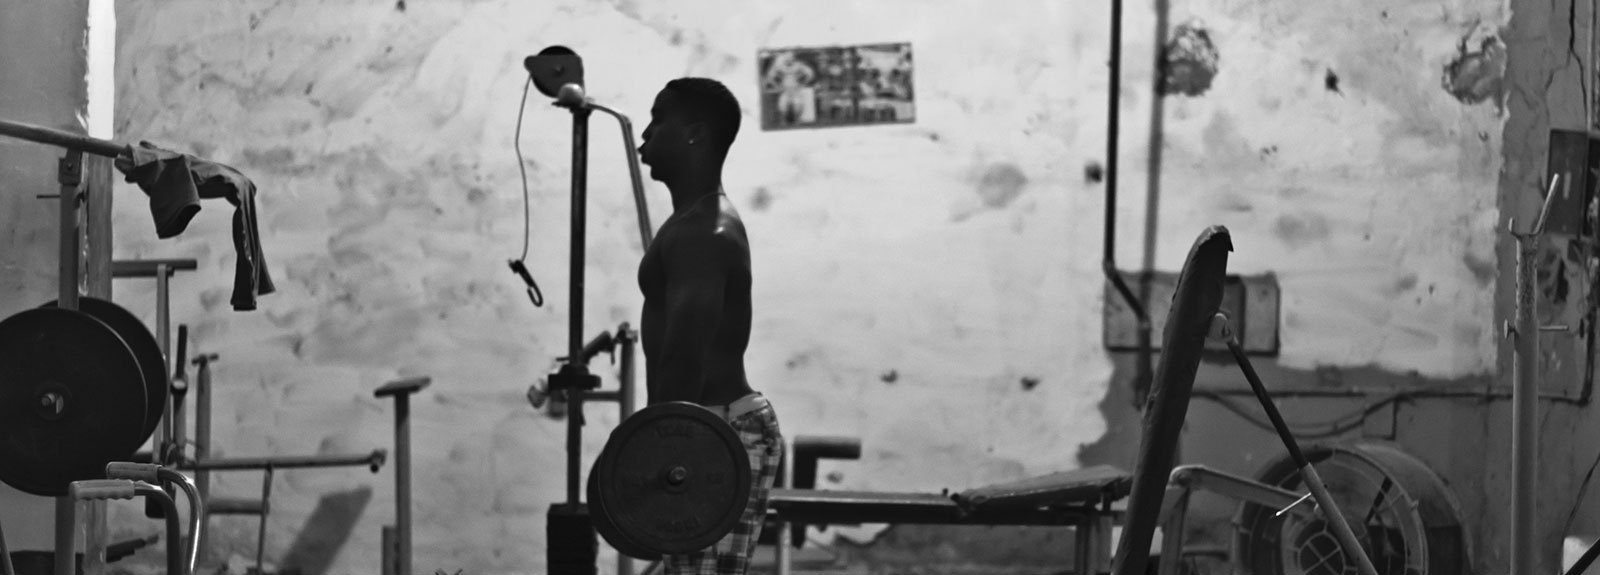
1065	498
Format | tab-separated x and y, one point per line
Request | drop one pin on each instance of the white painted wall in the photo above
381	141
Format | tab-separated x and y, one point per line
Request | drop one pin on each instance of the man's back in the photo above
696	282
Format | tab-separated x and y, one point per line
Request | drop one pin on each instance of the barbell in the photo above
672	478
78	389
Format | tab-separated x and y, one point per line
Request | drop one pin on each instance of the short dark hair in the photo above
706	100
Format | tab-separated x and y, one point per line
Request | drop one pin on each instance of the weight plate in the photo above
608	530
145	349
67	382
674	478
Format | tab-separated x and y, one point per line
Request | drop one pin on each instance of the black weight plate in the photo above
145	348
608	530
674	478
84	361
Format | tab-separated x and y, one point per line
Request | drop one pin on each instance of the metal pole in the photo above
1525	398
627	397
74	142
164	338
68	174
580	162
402	479
202	436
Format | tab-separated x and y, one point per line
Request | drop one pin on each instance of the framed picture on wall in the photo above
817	87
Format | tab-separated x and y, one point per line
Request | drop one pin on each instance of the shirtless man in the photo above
696	282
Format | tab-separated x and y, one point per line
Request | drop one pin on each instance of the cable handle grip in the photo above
95	489
125	470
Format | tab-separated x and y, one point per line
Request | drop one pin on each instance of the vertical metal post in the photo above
402	481
202	436
580	163
627	395
68	174
1525	396
785	556
164	338
1171	562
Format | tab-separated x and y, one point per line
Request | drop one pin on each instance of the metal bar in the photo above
290	462
149	268
628	394
266	508
631	152
164	338
170	512
1525	396
5	557
1330	510
594	396
202	436
197	512
580	161
402	480
64	139
1200	478
1142	374
784	555
66	543
1172	533
97	227
69	175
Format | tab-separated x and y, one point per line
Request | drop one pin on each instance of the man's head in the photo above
692	124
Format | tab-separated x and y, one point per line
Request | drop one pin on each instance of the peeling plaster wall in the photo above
933	288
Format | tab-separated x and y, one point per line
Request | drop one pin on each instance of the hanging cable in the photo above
517	265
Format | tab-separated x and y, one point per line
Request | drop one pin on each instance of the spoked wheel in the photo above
1403	514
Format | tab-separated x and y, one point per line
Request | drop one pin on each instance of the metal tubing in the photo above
1172	533
69	175
1525	397
1142	373
580	162
287	462
266	509
202	432
627	394
402	479
175	560
1330	509
631	152
5	557
63	139
197	512
66	538
164	338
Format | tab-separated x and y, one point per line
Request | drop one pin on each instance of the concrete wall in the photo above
901	296
44	69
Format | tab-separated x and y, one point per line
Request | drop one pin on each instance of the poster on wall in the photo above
819	87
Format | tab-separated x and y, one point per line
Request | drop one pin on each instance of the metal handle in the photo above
95	489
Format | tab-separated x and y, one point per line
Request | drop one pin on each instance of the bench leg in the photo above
1172	532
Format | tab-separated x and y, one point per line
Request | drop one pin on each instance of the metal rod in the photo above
266	508
170	512
197	512
5	557
631	152
1524	397
289	462
202	434
1330	509
1141	378
1172	534
164	338
66	538
64	139
402	479
149	268
580	162
628	394
69	175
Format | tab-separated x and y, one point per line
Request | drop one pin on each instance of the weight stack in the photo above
572	546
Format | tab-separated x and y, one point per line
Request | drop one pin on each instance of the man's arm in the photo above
697	275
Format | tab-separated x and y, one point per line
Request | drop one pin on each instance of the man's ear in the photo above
697	132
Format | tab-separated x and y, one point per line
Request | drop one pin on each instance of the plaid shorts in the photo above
731	556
